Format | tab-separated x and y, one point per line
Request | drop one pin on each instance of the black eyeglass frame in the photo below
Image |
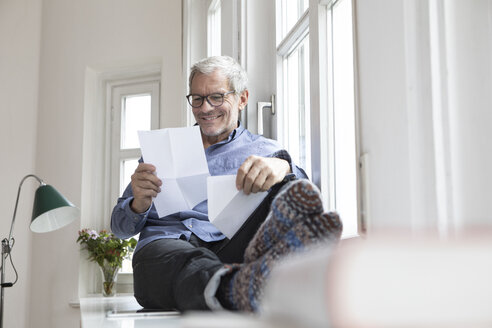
223	95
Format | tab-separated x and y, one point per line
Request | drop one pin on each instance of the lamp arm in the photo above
7	247
41	182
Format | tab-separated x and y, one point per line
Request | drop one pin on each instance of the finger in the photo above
144	192
148	171
142	174
145	167
146	176
259	182
270	182
243	171
146	184
250	179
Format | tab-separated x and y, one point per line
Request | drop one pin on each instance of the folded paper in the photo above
228	208
179	158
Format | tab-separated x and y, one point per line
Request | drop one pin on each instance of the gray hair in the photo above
228	66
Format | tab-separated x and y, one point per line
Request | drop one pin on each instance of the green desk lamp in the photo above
51	211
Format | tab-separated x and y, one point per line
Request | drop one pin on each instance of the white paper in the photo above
228	207
179	158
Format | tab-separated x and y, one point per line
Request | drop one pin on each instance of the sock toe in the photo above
300	198
297	201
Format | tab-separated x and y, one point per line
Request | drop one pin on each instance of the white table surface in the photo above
94	315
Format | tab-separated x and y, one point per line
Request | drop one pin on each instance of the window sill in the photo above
94	311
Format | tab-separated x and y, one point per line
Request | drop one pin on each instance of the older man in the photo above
179	260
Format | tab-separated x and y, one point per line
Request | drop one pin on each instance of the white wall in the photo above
261	61
469	58
77	35
198	11
20	23
382	101
404	130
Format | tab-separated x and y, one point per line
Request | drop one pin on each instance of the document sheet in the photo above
179	158
228	208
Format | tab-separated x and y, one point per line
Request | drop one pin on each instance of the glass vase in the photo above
109	274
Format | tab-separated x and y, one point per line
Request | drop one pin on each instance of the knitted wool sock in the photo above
242	288
298	200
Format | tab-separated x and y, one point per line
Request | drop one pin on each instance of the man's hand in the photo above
260	173
145	185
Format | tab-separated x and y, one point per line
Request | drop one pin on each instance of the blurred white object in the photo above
295	295
385	282
221	319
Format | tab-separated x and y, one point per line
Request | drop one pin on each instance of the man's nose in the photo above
206	107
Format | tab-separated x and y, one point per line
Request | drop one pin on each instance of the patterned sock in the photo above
242	288
298	200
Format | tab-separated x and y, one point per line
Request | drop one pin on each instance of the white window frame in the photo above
331	178
214	30
116	92
285	47
322	170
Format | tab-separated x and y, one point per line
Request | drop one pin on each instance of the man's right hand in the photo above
145	185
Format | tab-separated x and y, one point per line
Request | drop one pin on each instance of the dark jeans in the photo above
173	273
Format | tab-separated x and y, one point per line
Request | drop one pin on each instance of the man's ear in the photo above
243	99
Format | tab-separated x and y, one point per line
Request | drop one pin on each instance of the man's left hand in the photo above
261	173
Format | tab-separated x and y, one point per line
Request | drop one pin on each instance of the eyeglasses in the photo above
214	99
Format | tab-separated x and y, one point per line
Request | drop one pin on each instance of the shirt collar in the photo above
236	132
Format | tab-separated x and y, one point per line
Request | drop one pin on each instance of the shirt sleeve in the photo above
125	223
297	171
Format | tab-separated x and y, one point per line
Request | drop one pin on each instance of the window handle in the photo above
262	105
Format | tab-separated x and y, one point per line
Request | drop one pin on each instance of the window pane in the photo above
126	266
298	105
214	47
291	10
135	116
344	117
128	167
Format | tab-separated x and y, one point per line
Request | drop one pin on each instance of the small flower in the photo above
93	234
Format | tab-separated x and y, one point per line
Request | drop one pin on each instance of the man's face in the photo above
216	123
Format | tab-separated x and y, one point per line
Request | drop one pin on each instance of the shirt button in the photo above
190	226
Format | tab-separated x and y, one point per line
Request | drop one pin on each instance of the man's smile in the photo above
210	118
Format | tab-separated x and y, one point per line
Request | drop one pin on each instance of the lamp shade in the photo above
51	210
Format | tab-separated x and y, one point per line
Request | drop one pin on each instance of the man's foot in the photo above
299	200
242	288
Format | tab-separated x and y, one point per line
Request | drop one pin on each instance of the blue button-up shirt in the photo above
223	158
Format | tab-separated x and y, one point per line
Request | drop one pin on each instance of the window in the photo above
214	29
290	12
341	123
294	90
297	107
134	107
317	120
310	69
